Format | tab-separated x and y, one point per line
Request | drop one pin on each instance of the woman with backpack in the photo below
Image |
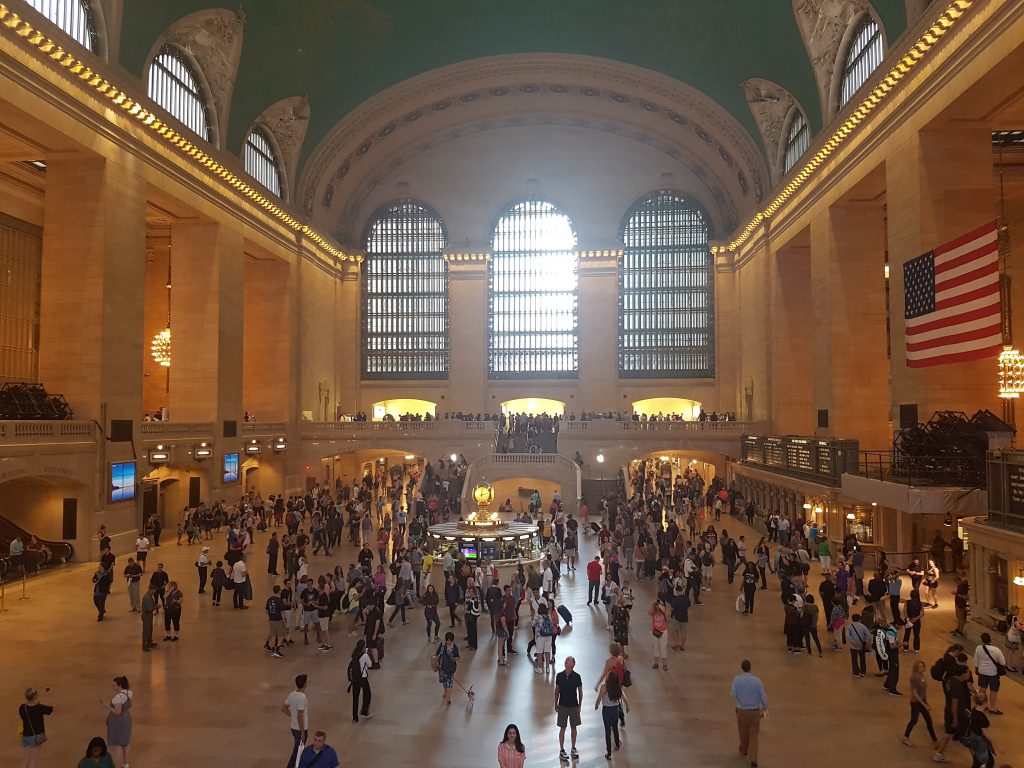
612	700
659	629
447	662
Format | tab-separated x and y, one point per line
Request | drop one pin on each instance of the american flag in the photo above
951	301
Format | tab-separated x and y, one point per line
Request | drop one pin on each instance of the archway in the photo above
395	408
533	406
668	408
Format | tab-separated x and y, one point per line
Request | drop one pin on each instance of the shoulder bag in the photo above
1000	668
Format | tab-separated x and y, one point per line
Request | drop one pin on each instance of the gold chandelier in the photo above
1011	373
160	348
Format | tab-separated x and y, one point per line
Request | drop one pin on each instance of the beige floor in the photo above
213	698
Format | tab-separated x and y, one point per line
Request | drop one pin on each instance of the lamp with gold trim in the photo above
1011	373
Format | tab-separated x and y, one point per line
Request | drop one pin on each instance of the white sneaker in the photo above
939	758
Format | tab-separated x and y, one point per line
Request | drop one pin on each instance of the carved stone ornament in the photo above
823	25
287	121
214	39
769	103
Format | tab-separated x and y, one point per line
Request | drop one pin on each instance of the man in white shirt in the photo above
141	550
239	574
296	707
987	660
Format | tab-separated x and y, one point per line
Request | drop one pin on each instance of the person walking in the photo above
319	753
276	632
101	581
990	665
359	666
141	550
273	548
810	624
447	663
119	721
149	609
913	613
132	575
568	703
612	700
511	752
659	630
239	576
172	611
296	708
203	568
749	587
430	603
96	755
858	636
472	616
919	707
33	726
594	571
751	705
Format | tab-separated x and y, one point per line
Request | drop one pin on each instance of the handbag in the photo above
627	678
1000	668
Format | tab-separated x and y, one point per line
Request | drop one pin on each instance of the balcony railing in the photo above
265	428
156	430
35	432
894	467
732	427
391	427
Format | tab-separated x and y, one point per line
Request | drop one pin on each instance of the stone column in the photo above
267	343
93	276
939	186
598	336
792	367
206	323
851	369
467	366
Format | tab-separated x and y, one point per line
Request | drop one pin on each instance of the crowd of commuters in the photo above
670	533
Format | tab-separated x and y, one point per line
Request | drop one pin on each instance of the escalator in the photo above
49	553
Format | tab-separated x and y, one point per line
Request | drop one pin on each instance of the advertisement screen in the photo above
122	481
230	467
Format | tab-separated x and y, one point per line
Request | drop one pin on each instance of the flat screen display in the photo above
469	552
230	467
122	481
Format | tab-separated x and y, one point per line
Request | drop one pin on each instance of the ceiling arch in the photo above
635	104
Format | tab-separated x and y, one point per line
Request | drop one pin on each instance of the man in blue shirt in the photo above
319	754
751	706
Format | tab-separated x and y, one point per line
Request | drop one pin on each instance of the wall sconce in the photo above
160	455
253	446
948	520
203	452
280	445
807	505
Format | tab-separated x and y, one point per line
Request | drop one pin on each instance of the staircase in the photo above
546	441
593	489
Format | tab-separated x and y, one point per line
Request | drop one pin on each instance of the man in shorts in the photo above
308	597
276	633
141	550
568	703
680	616
323	617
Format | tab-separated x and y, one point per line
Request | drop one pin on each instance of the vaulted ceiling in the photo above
339	53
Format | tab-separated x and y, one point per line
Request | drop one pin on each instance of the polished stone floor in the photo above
213	699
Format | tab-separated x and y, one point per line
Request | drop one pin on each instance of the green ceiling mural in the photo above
341	52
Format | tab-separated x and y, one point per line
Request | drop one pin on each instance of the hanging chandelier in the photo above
1011	373
160	348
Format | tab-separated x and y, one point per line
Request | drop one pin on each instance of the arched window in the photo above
666	291
798	139
174	86
72	16
863	56
261	161
405	294
532	297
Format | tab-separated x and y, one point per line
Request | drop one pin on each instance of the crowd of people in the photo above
671	533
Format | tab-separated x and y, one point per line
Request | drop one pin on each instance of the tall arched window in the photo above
405	294
863	56
798	139
666	291
533	323
174	86
261	161
72	16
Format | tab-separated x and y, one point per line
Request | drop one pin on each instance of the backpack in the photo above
346	603
706	559
354	673
545	629
938	671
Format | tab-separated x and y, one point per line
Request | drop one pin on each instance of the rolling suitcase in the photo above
595	527
565	613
